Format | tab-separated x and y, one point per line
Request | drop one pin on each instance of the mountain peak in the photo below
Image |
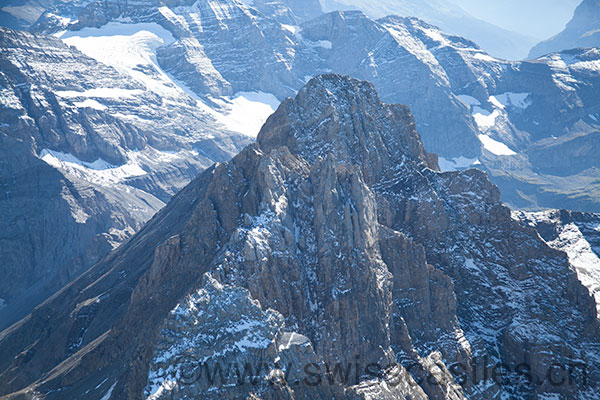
345	117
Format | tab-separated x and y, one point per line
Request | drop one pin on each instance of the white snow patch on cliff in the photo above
246	112
495	147
582	257
90	103
99	171
456	163
485	119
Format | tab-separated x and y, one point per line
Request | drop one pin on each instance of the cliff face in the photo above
580	32
333	240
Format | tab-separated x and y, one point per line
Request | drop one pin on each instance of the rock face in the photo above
575	233
581	32
332	241
88	155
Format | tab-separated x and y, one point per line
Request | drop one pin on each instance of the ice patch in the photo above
485	119
109	393
129	48
295	29
99	171
436	36
456	164
246	112
290	339
90	103
495	147
509	99
485	57
469	100
326	44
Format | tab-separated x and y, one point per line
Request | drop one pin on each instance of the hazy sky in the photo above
537	18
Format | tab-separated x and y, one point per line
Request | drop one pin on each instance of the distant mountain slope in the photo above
450	18
88	155
581	32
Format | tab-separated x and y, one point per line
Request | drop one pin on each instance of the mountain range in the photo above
287	208
136	99
307	248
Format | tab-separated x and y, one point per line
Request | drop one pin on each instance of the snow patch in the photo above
469	100
109	393
326	44
129	48
582	257
510	99
246	112
485	57
8	99
99	171
495	147
90	103
295	29
485	119
456	163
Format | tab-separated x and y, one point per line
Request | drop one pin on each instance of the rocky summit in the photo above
330	259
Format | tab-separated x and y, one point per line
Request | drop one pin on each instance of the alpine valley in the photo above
196	184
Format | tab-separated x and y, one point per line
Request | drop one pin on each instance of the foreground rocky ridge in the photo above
332	239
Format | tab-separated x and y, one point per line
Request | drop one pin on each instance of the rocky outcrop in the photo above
332	241
575	233
580	32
